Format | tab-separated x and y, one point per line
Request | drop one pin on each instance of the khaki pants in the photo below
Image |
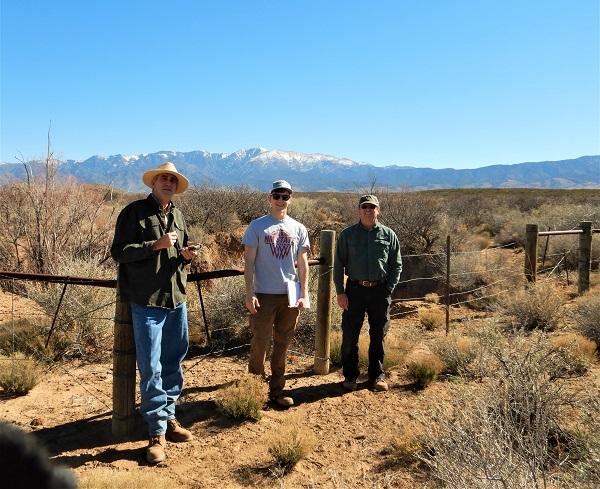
275	318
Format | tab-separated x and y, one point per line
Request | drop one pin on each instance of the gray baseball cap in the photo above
281	185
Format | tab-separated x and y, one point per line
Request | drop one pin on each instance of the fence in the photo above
458	288
584	231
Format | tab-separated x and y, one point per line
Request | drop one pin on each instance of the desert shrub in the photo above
414	216
587	316
19	374
503	437
220	209
431	319
423	369
244	399
539	306
85	321
405	448
226	313
432	297
576	351
109	478
457	353
290	443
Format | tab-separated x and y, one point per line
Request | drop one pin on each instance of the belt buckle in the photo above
367	283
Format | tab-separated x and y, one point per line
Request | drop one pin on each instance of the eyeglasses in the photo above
284	197
368	206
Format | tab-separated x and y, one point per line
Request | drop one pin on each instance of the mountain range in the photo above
258	167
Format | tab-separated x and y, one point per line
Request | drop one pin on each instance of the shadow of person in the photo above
109	455
92	432
313	393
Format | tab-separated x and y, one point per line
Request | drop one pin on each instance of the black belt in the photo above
366	283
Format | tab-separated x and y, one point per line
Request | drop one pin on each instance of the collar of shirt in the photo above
159	205
375	226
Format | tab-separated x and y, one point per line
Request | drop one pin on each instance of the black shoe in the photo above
349	385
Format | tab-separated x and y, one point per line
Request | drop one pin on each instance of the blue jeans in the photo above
161	342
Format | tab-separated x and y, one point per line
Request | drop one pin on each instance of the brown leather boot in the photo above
155	453
177	433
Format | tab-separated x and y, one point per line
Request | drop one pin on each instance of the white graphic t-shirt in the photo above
277	245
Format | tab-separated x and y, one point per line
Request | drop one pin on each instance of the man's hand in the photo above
252	303
342	300
188	254
301	303
165	241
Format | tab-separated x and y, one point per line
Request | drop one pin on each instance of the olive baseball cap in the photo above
368	199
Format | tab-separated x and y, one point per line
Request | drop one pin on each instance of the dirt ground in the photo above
70	411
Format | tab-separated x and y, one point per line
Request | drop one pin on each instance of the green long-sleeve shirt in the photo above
364	254
148	277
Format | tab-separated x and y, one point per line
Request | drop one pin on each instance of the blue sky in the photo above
439	83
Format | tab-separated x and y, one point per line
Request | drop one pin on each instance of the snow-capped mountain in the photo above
258	167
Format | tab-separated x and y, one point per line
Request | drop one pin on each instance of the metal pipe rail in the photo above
112	283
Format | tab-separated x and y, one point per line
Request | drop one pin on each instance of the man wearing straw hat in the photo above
151	247
368	253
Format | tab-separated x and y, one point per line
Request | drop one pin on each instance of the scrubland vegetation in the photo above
524	410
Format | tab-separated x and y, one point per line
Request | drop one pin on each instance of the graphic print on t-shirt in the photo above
280	243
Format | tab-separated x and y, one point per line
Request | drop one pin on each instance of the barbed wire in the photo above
478	288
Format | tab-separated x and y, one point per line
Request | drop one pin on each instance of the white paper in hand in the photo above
294	294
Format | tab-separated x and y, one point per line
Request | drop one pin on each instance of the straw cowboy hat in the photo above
168	167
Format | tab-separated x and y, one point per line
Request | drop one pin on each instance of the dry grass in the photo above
19	374
396	349
290	443
539	306
431	319
423	369
504	434
405	448
245	399
576	351
432	297
103	478
587	315
457	353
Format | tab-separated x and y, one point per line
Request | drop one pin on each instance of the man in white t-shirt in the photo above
272	244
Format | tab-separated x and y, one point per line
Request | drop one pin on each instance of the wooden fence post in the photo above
323	328
585	256
447	292
123	420
531	238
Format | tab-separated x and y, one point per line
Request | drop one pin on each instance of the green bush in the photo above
423	369
244	399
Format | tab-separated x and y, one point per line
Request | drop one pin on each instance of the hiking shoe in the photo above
283	401
155	453
177	433
380	385
349	385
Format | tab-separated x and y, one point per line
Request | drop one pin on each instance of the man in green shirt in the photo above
368	253
151	247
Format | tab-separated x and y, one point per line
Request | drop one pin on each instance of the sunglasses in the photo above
368	206
284	197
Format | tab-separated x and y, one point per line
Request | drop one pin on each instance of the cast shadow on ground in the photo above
314	393
108	456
